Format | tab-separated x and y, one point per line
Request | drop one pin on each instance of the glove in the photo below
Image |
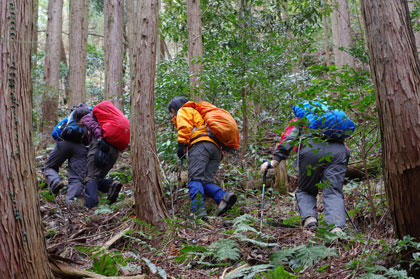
268	165
181	150
103	145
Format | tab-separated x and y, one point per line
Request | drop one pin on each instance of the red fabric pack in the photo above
114	124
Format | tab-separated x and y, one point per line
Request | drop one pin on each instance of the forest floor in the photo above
109	240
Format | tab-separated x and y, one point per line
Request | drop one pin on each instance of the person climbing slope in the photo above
204	157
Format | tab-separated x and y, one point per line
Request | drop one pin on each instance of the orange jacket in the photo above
191	127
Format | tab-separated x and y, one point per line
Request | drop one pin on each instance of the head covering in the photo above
177	103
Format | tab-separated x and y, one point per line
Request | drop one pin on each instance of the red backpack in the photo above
220	123
115	126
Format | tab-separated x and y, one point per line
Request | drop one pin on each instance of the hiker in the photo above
204	157
70	146
101	157
321	159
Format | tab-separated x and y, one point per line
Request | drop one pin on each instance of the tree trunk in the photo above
79	18
326	38
395	71
34	37
150	206
341	33
411	7
63	59
23	253
51	69
195	48
114	51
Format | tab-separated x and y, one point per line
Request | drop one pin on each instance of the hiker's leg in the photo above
215	156
214	191
93	172
104	185
56	158
310	171
197	197
333	178
198	159
76	171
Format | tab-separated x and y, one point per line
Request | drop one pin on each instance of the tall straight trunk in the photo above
148	195
34	37
114	51
79	20
63	59
51	69
411	7
23	253
132	35
195	48
395	68
341	33
326	38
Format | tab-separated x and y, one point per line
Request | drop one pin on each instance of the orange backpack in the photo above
219	122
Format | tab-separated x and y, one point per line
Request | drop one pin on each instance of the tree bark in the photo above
326	37
51	69
34	38
150	206
411	7
79	20
114	51
341	33
395	68
23	252
195	48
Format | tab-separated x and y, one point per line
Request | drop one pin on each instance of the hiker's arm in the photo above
282	151
184	125
92	125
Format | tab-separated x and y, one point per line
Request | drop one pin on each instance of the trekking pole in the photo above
262	202
351	221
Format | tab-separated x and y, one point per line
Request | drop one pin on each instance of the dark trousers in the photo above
76	154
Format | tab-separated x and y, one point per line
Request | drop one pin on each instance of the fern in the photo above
256	242
225	249
302	256
154	269
278	273
242	223
249	272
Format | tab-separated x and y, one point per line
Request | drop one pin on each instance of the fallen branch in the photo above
115	238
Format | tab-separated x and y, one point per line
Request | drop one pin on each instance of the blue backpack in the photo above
332	123
68	129
58	129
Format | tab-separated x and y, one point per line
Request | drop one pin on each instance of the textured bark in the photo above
34	37
79	18
114	51
132	35
326	37
23	252
51	69
150	206
395	70
195	48
341	32
416	33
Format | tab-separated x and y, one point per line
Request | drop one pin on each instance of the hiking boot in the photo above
114	190
229	199
310	223
337	230
56	186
